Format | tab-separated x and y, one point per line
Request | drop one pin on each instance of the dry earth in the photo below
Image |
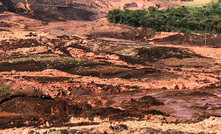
96	77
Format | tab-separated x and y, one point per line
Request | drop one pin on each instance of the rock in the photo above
113	57
157	118
84	42
47	124
59	52
13	72
73	42
90	54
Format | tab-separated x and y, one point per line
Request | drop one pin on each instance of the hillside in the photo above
73	9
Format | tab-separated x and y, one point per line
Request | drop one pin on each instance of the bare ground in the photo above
75	77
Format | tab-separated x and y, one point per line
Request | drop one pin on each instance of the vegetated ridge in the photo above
183	19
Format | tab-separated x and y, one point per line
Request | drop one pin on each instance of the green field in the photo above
197	3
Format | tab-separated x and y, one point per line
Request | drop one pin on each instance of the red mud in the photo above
54	79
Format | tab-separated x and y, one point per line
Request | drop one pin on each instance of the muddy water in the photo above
188	105
179	104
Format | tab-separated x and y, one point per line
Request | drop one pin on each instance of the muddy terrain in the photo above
97	77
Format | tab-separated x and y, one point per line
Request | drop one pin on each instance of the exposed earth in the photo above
96	77
60	10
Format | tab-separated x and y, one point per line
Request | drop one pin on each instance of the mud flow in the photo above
86	83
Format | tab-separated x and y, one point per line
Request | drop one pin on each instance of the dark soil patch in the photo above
130	60
60	13
71	13
109	88
185	94
18	121
37	106
111	113
42	62
35	111
3	29
138	73
154	54
99	70
21	43
142	54
143	102
150	100
46	79
108	71
200	94
23	66
119	115
192	39
154	112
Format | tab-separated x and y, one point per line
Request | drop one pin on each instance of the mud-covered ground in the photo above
63	82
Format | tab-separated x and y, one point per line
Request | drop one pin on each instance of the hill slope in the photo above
73	9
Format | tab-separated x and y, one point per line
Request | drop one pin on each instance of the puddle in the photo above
184	106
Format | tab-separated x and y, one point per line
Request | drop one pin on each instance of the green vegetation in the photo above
183	19
4	89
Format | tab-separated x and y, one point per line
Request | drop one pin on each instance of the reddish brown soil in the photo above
63	75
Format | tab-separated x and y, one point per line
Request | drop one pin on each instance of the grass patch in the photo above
4	89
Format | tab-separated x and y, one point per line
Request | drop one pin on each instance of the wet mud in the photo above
53	80
29	111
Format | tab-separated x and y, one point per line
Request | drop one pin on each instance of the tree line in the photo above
205	19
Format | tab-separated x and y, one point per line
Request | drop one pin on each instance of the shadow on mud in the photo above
34	111
192	39
19	111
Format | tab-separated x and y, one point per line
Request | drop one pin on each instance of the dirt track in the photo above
72	78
